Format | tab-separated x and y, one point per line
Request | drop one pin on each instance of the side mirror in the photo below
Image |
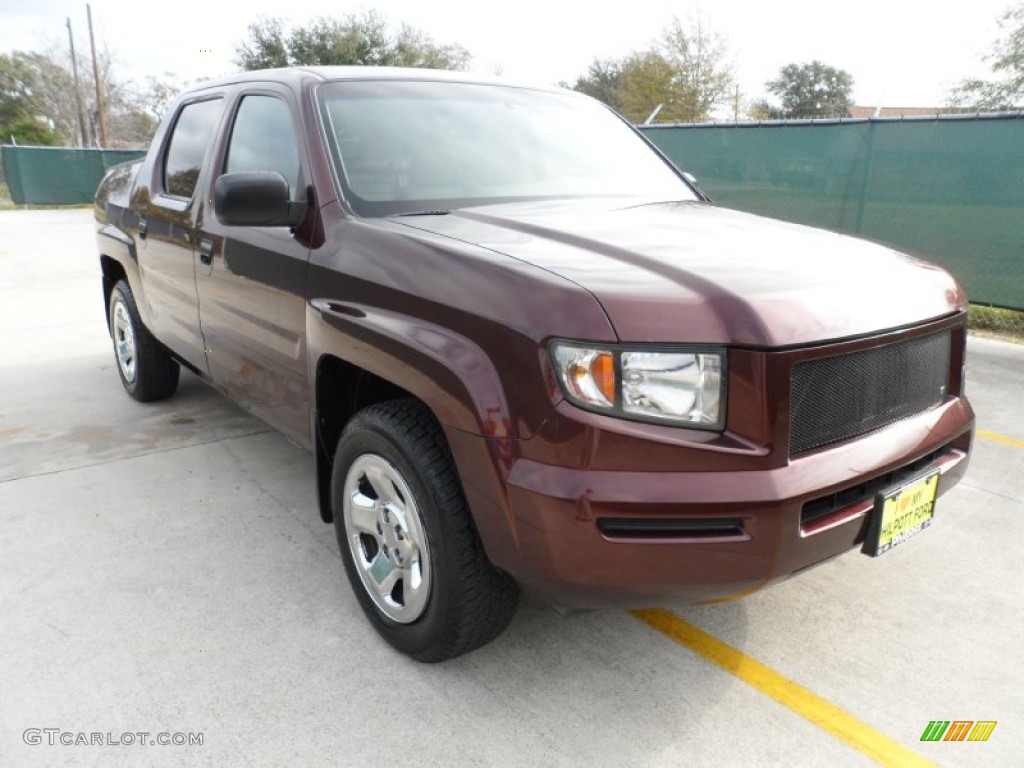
258	199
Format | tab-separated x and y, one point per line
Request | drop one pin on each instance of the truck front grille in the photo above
839	397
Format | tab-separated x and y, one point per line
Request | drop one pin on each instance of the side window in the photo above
191	137
263	139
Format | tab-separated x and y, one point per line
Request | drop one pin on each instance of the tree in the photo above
146	104
634	86
133	108
1007	61
17	84
702	75
360	39
23	114
37	98
649	80
156	96
603	81
57	92
124	126
685	71
265	48
807	90
27	130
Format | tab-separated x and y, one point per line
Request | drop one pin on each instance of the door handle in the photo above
143	226
206	252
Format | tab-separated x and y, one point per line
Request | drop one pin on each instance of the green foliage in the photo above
1007	61
38	103
56	94
265	48
16	83
702	76
762	109
685	71
354	39
602	81
27	131
807	91
1006	323
21	104
649	79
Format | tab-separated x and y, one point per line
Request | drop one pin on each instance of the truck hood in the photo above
671	272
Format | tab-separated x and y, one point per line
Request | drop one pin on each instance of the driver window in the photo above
263	139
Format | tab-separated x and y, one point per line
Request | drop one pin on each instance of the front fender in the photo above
456	379
452	374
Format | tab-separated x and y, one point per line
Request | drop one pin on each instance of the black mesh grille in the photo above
836	398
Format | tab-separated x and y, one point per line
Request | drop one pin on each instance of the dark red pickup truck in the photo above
524	349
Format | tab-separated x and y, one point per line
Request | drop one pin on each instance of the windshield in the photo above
407	147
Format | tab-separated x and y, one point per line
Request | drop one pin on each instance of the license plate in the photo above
901	513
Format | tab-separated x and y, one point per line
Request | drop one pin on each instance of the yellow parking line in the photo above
1000	438
808	705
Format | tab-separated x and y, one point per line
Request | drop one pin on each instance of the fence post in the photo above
869	162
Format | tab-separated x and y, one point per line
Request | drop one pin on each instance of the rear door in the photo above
251	280
166	235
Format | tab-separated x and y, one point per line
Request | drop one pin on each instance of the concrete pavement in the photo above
163	569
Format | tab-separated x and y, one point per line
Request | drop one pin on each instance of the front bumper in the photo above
726	533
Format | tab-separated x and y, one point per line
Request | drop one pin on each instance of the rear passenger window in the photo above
263	139
191	137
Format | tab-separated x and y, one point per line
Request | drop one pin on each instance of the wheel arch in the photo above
118	261
341	390
361	355
113	272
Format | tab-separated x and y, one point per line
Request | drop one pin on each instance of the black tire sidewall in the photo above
121	293
156	372
423	634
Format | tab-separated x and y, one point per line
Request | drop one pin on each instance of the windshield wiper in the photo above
423	213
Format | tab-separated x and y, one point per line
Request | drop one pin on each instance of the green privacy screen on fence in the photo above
949	189
58	176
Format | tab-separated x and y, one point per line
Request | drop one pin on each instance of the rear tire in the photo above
407	539
147	370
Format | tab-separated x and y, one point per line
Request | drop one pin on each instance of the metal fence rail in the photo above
950	188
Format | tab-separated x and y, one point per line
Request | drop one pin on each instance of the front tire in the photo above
410	549
147	370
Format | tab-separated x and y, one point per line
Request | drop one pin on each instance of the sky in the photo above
902	53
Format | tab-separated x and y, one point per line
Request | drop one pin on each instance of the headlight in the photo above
679	387
587	375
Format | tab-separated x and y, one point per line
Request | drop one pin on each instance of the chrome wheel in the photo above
386	538
124	342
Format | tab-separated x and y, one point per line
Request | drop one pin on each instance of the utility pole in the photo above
99	85
78	94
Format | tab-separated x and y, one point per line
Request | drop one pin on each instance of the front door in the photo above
251	280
